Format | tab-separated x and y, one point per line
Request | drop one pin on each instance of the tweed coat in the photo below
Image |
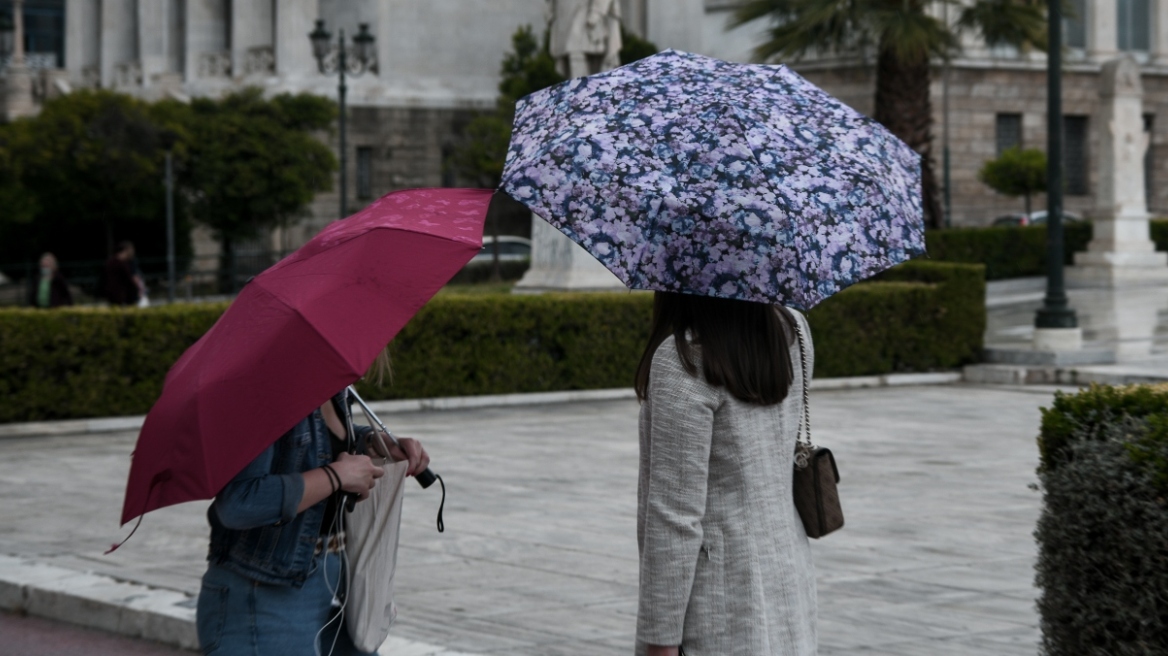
726	567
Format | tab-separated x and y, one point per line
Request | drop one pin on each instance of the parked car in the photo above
1035	218
510	248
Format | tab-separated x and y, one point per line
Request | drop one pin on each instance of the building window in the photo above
1133	22
1075	25
1149	158
364	172
1008	132
1075	155
44	32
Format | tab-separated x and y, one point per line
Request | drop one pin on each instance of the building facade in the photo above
437	63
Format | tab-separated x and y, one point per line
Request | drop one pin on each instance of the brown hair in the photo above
744	346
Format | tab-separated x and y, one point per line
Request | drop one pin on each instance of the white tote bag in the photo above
371	534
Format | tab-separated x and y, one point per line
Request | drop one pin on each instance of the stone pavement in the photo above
539	554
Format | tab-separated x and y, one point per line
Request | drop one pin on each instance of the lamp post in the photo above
1055	313
338	58
168	139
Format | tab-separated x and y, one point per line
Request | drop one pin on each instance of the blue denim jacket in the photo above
255	529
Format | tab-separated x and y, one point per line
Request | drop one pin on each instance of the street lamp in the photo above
337	58
1055	312
168	138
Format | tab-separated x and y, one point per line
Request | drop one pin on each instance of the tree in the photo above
1016	172
254	163
906	36
87	170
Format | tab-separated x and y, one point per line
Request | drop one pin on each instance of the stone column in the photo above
153	30
206	40
251	38
1121	253
1103	30
18	86
83	41
1159	33
294	20
119	44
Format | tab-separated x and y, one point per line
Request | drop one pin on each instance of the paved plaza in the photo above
539	555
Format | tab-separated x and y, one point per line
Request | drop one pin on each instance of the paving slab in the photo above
540	557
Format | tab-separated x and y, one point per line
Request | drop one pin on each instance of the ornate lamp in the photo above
331	59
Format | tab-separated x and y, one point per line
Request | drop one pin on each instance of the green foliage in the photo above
89	362
482	150
1016	172
95	362
254	163
919	316
1086	415
1006	252
1103	564
634	48
90	165
912	30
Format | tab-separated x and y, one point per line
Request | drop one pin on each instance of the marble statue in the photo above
585	36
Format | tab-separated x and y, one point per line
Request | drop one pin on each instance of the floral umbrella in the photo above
689	174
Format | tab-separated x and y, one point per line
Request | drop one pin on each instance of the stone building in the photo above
438	63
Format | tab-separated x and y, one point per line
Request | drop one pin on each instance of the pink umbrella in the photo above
297	334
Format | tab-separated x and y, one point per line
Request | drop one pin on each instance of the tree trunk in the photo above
903	106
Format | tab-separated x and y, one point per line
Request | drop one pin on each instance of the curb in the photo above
122	424
1006	374
128	609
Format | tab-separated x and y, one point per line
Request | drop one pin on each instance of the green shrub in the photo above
1103	532
97	362
919	316
92	362
1006	252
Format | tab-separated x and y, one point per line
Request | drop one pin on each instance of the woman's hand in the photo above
407	448
658	650
358	473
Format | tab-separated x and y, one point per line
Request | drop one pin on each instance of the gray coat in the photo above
726	567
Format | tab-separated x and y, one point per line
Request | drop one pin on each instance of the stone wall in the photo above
977	94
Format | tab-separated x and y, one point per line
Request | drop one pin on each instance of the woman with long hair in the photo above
725	566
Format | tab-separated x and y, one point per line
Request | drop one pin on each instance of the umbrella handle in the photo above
425	478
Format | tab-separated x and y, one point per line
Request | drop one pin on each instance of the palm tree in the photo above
906	36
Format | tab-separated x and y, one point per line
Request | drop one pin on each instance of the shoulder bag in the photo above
816	475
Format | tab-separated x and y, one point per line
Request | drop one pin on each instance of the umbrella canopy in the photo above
689	174
297	334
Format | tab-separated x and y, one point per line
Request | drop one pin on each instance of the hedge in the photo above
1103	532
1014	252
97	362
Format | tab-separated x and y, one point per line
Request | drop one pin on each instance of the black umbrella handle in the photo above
426	478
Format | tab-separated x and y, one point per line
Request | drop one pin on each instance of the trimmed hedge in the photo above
1103	533
1014	252
98	362
1006	252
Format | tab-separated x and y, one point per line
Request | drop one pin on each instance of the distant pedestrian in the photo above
118	282
48	288
726	566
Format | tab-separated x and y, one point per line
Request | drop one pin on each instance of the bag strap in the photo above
805	420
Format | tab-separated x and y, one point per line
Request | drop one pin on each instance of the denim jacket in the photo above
255	529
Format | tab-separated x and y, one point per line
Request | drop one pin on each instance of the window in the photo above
1149	158
364	172
1075	25
1075	155
1008	131
44	32
1133	20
